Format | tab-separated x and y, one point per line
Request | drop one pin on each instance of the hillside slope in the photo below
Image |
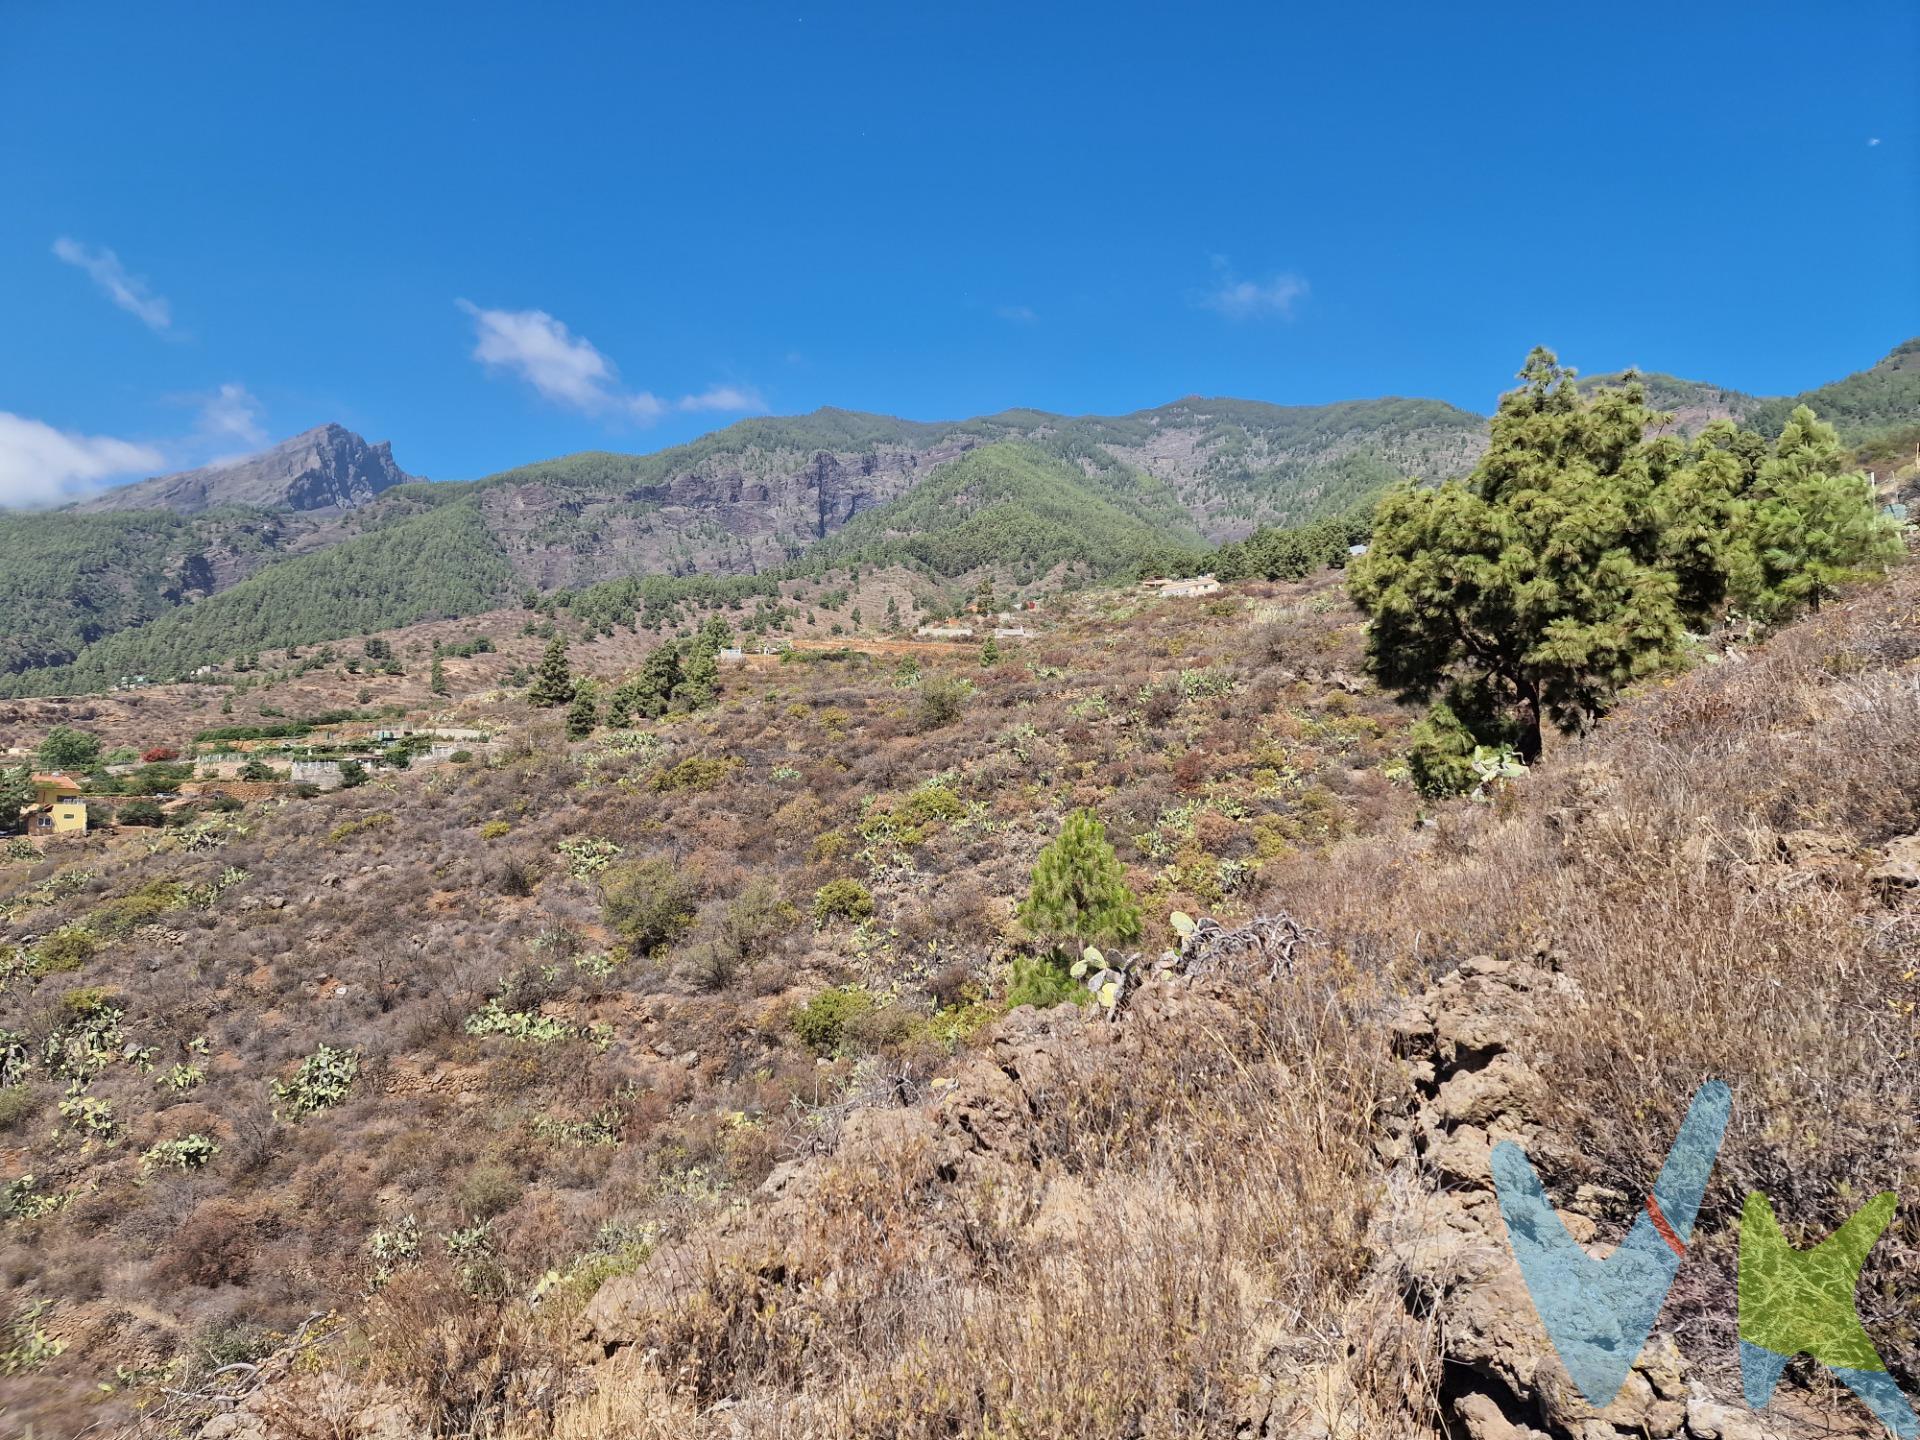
690	1098
1015	508
439	561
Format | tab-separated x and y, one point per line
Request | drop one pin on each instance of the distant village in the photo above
222	769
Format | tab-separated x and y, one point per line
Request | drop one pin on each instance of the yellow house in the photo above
57	808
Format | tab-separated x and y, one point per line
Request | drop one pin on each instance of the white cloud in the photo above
129	292
1873	142
545	354
1239	299
569	370
40	465
1016	314
726	397
232	414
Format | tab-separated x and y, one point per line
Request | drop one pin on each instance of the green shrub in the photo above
494	829
696	772
822	1024
346	829
86	1001
116	917
649	902
757	914
942	697
67	948
845	899
18	1105
1043	981
488	1190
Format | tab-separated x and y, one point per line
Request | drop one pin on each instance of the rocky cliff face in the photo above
732	513
328	467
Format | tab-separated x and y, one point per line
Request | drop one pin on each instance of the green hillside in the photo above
87	599
1673	395
839	431
1237	464
1863	407
442	561
68	580
1016	507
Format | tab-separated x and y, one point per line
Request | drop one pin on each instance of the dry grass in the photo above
1182	1231
1649	862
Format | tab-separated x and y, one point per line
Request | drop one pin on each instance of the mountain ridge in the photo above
328	467
751	500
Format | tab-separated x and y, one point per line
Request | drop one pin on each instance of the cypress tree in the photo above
1079	892
553	684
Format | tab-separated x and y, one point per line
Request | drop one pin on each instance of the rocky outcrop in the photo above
729	512
328	467
1440	1252
1899	865
1443	1244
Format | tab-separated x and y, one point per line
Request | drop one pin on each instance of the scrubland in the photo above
717	1010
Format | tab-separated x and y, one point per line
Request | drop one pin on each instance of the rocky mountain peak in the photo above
327	467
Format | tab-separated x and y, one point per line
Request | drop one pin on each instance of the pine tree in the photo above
583	716
553	684
1582	550
651	691
1079	892
1543	577
437	681
990	653
699	677
16	793
620	706
1812	524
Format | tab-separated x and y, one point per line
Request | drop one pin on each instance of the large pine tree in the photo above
1582	550
1541	577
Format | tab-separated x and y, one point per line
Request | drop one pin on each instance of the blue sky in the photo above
497	233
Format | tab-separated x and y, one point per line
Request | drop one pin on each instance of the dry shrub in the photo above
216	1246
465	1362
